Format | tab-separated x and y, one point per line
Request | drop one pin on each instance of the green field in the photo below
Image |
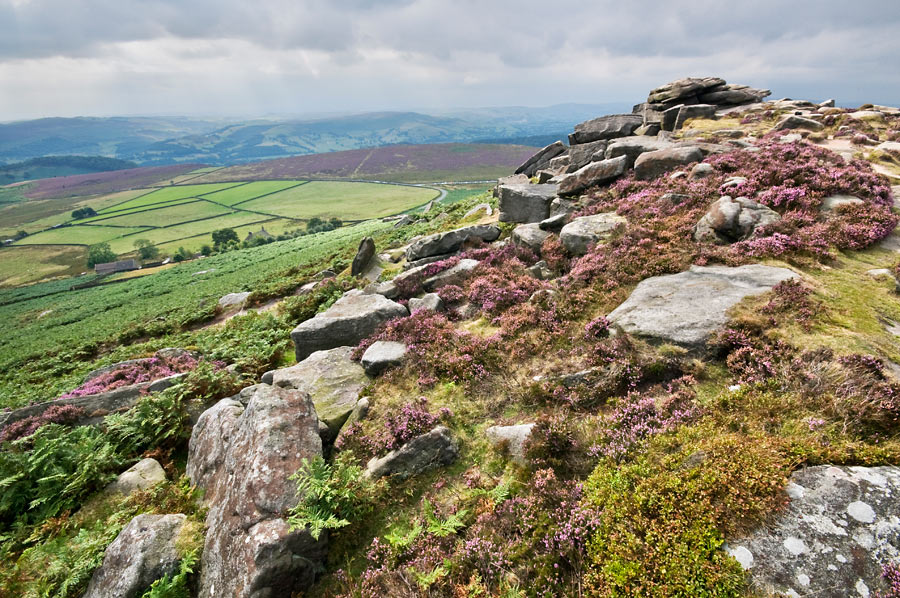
347	201
199	232
30	263
167	195
167	214
242	193
78	235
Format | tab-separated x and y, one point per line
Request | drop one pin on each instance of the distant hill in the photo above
58	166
159	141
402	163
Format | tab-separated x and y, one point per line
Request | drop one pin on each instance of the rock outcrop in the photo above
605	128
208	446
250	550
541	159
352	318
841	527
729	220
455	275
583	232
428	302
428	451
650	165
363	258
688	307
594	173
531	236
441	244
525	203
143	552
382	355
331	379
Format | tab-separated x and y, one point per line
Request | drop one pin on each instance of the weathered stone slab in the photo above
595	173
842	525
144	474
144	551
688	307
606	127
209	443
582	154
363	257
632	147
233	300
682	88
792	121
833	202
352	318
250	550
382	355
455	275
525	203
582	232
331	379
448	242
650	165
428	302
531	236
541	159
513	437
428	451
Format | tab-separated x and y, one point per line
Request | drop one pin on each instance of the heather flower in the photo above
143	370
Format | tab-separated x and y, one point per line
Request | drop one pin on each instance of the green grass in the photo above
241	193
168	194
78	235
168	215
347	201
27	264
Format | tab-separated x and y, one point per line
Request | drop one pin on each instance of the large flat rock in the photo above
332	380
605	128
584	231
541	159
250	550
650	165
525	202
451	241
688	307
595	173
842	525
352	318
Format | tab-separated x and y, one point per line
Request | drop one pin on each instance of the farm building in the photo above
261	233
113	267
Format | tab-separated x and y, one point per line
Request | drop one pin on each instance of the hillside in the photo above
663	361
149	141
59	166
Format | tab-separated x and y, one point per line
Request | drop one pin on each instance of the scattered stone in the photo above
583	154
842	525
143	552
513	438
729	220
428	451
381	356
632	147
525	203
448	242
675	198
553	223
702	170
250	550
326	274
233	299
455	275
731	182
865	115
333	382
352	318
482	207
541	271
363	257
144	474
833	202
428	302
594	173
605	127
650	165
686	308
386	289
541	159
209	442
582	232
405	221
888	146
792	121
563	206
531	236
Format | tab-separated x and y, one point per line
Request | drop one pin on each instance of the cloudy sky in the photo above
256	57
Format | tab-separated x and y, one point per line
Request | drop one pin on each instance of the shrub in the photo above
144	370
55	414
331	495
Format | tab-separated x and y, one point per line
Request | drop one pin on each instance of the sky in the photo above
268	57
